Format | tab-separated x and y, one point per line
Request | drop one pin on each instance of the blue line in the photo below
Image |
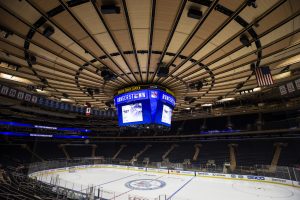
180	188
118	179
133	189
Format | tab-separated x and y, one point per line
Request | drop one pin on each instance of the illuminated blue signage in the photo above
147	106
132	96
143	95
18	134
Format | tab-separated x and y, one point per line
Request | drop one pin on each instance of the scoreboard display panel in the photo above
147	106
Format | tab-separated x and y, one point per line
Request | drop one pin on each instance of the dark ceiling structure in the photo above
85	50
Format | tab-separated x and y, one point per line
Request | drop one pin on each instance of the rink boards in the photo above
175	172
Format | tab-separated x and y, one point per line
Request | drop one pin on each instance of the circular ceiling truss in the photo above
186	66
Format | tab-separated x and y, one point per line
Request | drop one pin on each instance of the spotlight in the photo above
5	33
190	99
163	71
65	95
252	66
48	31
107	75
96	91
90	91
109	103
239	86
197	85
245	40
32	59
44	80
30	87
195	14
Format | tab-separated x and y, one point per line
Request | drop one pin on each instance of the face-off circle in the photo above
145	184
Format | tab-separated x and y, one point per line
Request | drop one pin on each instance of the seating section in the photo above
107	150
14	154
156	152
217	151
130	150
14	184
48	150
290	155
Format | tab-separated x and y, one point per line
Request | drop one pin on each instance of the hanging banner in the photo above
50	103
290	87
297	83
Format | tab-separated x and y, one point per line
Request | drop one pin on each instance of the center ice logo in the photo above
145	184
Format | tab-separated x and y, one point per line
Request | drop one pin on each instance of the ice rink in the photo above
122	184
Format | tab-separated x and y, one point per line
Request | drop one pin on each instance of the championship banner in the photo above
290	87
12	92
141	87
297	83
4	90
45	102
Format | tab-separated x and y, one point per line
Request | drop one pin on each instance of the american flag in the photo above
263	76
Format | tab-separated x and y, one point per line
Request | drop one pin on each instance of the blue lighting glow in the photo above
148	106
82	130
219	131
22	134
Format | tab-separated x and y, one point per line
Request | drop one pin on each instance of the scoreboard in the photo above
145	106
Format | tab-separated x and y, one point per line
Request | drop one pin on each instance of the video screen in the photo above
132	113
166	114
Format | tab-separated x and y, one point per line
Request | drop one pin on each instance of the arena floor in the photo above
123	184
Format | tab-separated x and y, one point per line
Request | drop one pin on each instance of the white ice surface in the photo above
178	187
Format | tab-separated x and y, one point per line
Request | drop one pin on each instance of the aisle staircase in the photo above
25	146
232	156
94	147
197	151
119	151
63	148
278	148
136	156
169	151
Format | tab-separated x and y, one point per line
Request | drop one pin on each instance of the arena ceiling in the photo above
131	44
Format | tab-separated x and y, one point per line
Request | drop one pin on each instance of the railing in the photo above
90	191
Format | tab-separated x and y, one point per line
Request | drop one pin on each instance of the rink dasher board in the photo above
250	178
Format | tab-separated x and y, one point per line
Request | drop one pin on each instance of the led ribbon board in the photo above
146	106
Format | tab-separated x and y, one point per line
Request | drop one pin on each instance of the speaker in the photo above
197	85
32	59
195	14
110	9
107	75
65	95
163	71
245	40
239	86
48	31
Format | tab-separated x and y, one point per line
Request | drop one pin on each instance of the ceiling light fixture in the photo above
282	75
15	78
206	105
